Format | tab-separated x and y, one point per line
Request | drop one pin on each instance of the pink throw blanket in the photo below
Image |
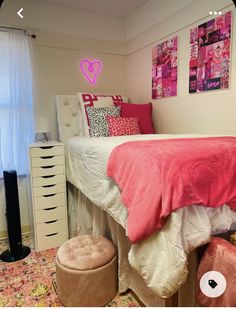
157	177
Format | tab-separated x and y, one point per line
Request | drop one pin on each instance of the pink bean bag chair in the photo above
216	275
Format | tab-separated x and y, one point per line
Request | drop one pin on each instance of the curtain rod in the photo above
33	36
11	28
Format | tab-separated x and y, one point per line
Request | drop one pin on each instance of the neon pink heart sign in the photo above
91	69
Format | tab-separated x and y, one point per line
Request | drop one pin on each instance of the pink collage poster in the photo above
164	69
210	54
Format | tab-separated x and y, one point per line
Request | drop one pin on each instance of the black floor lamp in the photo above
1	2
16	250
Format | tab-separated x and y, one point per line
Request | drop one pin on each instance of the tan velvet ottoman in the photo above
86	271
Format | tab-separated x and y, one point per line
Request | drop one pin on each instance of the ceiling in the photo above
117	8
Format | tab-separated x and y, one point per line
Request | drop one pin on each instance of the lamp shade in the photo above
42	125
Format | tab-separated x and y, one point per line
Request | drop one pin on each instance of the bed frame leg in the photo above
172	301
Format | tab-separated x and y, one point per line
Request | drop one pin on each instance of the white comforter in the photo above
162	258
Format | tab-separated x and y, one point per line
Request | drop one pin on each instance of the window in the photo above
16	104
4	69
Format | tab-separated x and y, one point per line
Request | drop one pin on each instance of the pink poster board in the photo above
164	69
210	54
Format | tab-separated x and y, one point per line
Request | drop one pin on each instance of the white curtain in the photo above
16	101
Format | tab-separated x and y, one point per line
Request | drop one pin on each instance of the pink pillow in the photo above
97	100
142	111
123	126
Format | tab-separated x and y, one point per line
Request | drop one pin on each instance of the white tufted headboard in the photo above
69	117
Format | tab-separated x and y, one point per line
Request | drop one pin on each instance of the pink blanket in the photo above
157	177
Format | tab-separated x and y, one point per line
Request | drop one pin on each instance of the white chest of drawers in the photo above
48	184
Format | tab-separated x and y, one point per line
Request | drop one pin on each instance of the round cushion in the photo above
86	271
86	252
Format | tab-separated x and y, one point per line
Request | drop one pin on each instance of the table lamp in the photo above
41	129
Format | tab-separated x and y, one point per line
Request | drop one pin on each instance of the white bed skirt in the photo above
87	218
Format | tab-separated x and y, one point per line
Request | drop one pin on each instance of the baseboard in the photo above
24	230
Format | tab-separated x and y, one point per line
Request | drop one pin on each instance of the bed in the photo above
95	207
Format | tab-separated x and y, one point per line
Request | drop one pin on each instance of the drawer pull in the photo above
47	157
53	221
49	176
46	147
48	195
52	208
48	186
53	234
48	166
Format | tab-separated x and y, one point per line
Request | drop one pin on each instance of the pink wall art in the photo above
164	69
91	69
210	54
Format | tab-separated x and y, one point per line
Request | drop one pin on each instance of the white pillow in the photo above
88	99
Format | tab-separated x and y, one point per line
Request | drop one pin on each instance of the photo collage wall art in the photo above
164	69
210	54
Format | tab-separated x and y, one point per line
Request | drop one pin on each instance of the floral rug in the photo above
30	282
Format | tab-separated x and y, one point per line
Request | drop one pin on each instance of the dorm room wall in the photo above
63	37
211	112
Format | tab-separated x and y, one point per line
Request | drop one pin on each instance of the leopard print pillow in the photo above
97	119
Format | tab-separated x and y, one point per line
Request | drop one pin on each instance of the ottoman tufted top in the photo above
85	252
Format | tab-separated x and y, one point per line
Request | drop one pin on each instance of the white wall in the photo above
51	18
64	37
213	112
150	14
56	62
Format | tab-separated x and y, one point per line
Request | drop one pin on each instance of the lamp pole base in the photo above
6	255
